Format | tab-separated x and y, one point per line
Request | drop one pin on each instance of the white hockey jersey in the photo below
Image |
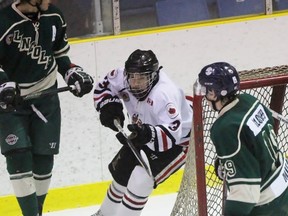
165	107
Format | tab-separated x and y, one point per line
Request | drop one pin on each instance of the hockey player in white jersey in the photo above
160	121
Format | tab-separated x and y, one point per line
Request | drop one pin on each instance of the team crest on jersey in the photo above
11	139
9	39
31	48
125	96
112	74
171	110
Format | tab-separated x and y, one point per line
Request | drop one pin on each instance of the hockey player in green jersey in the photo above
33	48
255	170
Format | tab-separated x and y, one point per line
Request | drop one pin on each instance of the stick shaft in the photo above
278	116
132	147
44	93
48	92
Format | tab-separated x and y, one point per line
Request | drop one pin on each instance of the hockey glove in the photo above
82	81
10	96
219	169
111	108
140	135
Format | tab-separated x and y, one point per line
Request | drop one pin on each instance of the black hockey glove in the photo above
111	108
83	81
219	169
10	96
140	135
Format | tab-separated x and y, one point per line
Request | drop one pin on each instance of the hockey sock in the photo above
139	187
42	183
40	203
28	205
43	165
19	166
112	199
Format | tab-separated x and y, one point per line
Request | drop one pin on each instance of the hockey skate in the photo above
98	213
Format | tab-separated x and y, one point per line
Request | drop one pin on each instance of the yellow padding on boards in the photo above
81	196
93	194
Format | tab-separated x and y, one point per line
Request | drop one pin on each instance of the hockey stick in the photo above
144	163
224	193
48	92
45	93
278	116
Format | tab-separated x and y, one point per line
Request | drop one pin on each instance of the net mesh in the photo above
187	199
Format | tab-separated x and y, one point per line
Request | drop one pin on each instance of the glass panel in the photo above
280	5
137	14
86	18
79	15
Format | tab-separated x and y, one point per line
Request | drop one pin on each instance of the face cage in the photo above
139	93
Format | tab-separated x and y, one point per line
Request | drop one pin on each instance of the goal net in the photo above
201	192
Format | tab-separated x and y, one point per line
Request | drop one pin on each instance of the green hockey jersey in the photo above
32	51
245	142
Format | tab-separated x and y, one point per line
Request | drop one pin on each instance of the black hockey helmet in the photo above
142	68
221	77
142	61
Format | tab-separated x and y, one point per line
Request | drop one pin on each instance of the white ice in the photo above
161	205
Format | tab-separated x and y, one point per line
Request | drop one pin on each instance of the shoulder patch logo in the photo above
112	74
172	110
257	120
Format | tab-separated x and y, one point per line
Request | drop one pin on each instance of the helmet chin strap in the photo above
213	103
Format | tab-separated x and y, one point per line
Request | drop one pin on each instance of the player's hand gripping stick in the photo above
141	156
3	105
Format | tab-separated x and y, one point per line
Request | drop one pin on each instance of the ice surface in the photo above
156	206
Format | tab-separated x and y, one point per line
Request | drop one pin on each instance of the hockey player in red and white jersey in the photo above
160	121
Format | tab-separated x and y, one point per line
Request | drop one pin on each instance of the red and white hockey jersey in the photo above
165	107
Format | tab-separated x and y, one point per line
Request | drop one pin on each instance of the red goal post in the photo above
201	192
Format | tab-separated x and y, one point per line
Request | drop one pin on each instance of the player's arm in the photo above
169	130
158	138
165	134
3	76
106	100
243	182
241	170
9	93
72	73
9	90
